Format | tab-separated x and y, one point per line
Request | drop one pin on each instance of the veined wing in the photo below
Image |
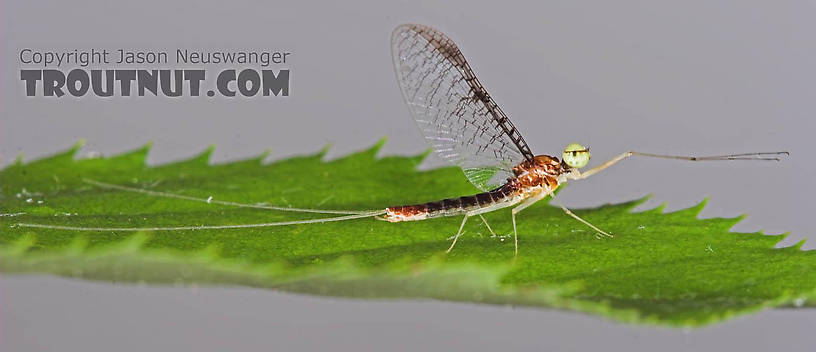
453	110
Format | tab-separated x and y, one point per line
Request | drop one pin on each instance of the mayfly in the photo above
465	127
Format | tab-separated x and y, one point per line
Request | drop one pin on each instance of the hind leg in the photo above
458	233
486	225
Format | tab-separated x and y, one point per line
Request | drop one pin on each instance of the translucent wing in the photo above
454	112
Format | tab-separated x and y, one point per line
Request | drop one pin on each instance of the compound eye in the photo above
575	156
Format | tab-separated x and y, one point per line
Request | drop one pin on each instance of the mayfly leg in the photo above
526	203
458	233
532	200
461	226
576	217
487	225
766	156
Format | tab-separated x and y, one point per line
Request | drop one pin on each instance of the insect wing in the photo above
454	112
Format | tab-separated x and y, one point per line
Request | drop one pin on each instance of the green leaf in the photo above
665	268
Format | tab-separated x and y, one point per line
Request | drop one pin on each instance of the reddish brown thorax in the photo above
542	171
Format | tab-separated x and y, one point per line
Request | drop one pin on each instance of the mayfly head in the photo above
575	156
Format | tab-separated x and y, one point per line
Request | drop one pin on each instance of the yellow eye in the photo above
575	156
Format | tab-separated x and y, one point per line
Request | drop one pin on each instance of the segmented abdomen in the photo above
451	206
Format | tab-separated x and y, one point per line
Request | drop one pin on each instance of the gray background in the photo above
702	77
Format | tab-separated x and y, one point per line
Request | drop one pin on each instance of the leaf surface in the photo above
664	268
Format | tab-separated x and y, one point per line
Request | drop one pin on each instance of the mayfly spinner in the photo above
465	127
